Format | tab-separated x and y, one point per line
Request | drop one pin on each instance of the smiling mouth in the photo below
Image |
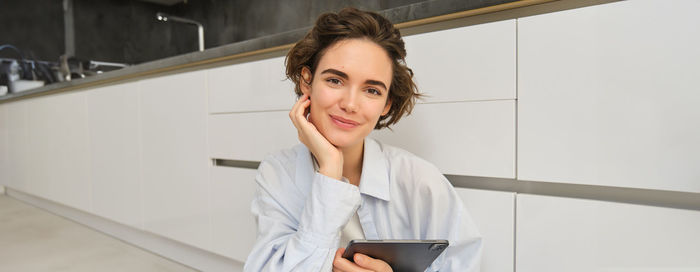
343	123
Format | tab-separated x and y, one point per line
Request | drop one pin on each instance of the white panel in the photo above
465	138
608	95
114	150
233	225
4	146
468	63
174	161
250	86
250	136
494	214
68	160
16	140
562	234
41	148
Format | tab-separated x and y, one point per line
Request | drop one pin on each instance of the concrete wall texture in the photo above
128	32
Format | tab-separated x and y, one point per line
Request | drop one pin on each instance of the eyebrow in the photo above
345	76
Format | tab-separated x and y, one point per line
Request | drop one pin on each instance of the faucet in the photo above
200	29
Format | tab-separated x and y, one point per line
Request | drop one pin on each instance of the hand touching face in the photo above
330	158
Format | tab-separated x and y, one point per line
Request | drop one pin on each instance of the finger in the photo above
303	124
370	263
338	254
294	115
342	264
292	112
302	109
297	112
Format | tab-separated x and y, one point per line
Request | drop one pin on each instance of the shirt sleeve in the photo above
301	240
450	220
465	250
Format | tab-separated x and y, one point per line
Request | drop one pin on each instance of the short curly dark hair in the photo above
351	23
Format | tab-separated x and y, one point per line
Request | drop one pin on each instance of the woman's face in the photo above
349	91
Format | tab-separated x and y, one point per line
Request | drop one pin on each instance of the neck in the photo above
352	162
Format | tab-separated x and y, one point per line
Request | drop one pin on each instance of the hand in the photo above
330	158
363	263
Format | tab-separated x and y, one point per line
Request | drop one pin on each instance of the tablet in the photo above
401	255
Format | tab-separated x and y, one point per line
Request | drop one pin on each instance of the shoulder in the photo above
413	172
278	166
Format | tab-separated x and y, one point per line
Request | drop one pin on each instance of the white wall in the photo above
601	95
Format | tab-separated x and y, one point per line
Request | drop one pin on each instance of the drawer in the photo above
250	86
250	136
464	138
565	234
468	63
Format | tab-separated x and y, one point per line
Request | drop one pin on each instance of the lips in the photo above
342	122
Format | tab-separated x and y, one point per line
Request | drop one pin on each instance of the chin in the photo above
342	140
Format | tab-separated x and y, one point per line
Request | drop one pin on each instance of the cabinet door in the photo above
174	159
494	214
465	138
468	63
114	152
17	156
233	226
564	234
607	95
68	161
4	145
250	136
250	86
42	160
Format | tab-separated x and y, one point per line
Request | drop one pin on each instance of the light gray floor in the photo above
32	239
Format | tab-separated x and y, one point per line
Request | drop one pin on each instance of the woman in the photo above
340	185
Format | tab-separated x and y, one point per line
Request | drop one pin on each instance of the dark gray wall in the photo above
231	21
32	29
127	31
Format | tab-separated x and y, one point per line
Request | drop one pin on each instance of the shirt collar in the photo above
375	171
374	180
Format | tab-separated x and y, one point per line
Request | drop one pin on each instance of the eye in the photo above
374	91
334	81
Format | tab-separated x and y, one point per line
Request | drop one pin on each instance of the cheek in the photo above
375	110
322	97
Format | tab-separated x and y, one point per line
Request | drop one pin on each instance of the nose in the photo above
348	102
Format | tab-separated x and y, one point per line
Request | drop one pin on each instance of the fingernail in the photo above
359	258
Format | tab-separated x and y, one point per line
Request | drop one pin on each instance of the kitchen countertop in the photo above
410	15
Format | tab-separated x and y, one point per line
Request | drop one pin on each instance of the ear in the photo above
305	83
387	107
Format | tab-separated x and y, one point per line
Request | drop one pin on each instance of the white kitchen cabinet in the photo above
43	159
113	123
494	214
233	225
4	145
250	136
565	234
18	158
607	95
64	116
468	63
464	138
250	86
174	163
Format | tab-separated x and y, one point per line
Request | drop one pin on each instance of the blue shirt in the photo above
300	212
